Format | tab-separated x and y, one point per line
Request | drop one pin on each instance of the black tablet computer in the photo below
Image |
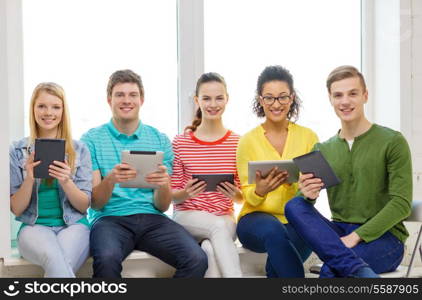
47	150
213	180
315	163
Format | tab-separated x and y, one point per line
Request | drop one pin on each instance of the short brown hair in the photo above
344	72
124	76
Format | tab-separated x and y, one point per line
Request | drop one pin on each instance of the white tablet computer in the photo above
265	167
145	162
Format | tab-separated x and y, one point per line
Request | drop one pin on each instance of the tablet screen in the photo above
145	162
213	180
47	150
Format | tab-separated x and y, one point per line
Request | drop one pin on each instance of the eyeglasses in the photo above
269	100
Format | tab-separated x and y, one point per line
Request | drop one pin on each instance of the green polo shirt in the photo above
106	144
376	187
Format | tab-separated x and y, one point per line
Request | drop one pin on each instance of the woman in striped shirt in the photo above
207	147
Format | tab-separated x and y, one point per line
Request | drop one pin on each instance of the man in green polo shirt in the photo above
366	235
124	219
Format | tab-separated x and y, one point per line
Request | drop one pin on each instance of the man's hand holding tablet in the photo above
310	186
159	178
121	173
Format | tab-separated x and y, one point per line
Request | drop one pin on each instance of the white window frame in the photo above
190	47
11	95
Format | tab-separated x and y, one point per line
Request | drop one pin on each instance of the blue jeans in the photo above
113	238
323	236
60	251
262	232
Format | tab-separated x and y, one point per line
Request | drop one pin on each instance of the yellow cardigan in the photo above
255	146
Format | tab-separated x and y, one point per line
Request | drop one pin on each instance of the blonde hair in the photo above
63	130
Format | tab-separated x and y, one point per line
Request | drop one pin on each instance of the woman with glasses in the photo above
262	225
207	147
55	232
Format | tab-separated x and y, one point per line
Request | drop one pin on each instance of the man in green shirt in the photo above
366	235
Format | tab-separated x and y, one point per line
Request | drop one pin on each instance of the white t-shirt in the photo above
350	144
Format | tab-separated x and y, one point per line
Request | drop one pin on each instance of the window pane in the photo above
78	44
310	38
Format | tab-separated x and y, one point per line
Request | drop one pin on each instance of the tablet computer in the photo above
145	162
46	151
315	163
213	180
265	167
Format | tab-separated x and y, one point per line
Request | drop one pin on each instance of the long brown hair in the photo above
206	77
63	130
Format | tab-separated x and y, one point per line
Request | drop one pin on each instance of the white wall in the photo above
13	23
190	55
11	95
416	95
392	64
4	135
381	60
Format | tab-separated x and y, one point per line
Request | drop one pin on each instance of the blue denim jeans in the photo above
323	236
60	251
262	232
113	238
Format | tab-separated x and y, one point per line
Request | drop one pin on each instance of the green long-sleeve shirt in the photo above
376	187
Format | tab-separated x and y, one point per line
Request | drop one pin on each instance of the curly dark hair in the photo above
276	73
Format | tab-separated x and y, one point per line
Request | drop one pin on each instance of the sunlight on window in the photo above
78	44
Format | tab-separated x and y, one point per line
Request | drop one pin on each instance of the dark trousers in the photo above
323	236
113	238
262	232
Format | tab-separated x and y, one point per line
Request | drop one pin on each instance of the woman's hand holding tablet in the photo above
272	181
194	187
30	165
266	166
60	171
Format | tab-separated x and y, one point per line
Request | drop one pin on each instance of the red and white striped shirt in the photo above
193	156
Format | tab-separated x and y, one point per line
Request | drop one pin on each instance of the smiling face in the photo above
212	99
48	112
348	97
276	112
125	102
